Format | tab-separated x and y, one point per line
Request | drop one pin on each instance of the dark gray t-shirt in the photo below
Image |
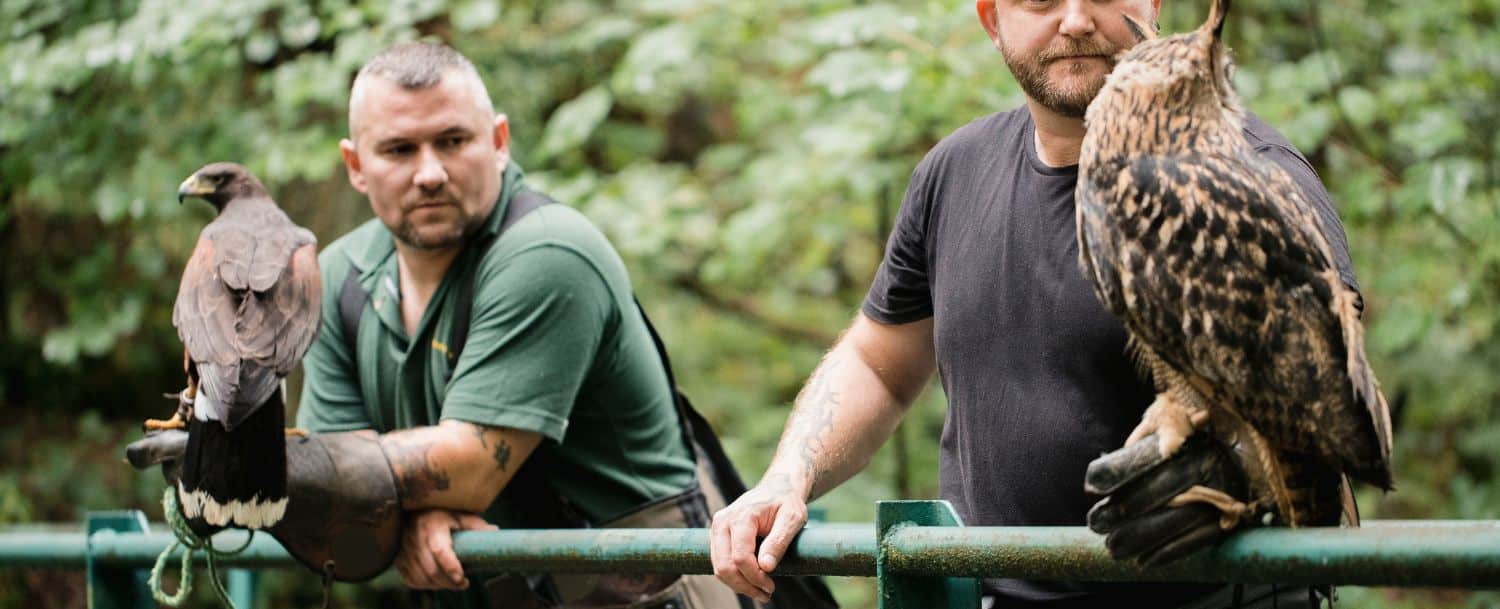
1035	368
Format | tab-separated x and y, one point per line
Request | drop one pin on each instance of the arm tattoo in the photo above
415	474
502	448
813	417
479	433
502	454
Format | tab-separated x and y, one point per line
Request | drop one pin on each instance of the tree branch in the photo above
751	311
1446	223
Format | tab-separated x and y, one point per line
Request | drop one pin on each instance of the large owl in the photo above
1221	272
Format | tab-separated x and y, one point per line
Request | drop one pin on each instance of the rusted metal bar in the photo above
824	550
141	549
1392	553
1382	553
834	549
43	550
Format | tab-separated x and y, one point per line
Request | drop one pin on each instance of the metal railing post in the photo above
916	592
115	587
242	584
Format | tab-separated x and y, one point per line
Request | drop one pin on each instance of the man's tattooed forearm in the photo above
415	474
812	418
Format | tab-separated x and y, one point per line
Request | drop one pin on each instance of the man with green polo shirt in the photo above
557	371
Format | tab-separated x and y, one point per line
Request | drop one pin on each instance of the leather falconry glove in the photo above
343	511
1136	515
1156	511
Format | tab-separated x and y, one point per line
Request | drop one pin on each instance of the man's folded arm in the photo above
528	351
455	465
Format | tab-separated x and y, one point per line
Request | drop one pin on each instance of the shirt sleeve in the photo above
900	292
537	324
331	400
1312	187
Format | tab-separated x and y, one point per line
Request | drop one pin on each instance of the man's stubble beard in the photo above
1031	74
466	226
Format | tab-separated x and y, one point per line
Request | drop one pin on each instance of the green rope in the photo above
190	542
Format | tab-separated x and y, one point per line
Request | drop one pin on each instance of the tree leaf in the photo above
574	122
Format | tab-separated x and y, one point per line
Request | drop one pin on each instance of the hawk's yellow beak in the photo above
194	186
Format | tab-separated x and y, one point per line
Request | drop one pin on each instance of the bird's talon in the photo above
1232	511
175	422
295	431
1171	421
1148	423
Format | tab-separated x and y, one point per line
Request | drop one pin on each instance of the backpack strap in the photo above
352	298
696	432
523	202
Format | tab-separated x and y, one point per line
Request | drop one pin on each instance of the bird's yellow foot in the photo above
1234	511
1171	421
294	431
175	422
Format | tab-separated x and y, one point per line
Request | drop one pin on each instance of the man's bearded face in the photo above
1066	75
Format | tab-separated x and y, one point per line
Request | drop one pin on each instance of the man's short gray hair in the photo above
414	66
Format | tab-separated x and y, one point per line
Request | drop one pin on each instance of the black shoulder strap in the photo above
523	202
696	431
352	296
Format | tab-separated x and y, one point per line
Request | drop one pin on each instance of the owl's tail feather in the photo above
236	478
1372	468
1348	506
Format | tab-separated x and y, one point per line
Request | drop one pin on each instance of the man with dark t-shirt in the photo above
981	279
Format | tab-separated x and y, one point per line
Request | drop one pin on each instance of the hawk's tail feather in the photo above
236	478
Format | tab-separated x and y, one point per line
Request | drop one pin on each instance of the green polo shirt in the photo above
555	346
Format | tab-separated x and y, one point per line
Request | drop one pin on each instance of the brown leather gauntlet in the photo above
343	511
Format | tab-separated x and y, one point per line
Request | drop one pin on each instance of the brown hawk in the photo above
1224	277
247	310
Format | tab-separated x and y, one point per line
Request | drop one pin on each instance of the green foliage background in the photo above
746	158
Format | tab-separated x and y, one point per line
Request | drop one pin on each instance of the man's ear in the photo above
502	141
351	164
989	19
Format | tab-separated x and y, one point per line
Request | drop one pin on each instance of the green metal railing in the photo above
919	551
